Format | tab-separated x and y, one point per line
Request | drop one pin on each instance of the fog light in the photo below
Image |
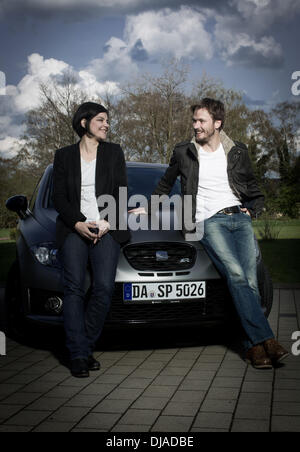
54	304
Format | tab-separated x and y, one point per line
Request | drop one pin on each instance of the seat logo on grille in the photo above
162	256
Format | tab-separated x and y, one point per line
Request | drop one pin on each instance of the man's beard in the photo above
205	140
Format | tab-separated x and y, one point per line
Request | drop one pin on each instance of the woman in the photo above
82	172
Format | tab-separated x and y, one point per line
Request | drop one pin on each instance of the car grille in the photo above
144	256
216	305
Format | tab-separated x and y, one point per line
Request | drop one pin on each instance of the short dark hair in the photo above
87	111
214	107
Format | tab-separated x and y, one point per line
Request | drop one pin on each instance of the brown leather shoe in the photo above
275	351
258	357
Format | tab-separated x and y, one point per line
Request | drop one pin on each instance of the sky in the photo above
251	45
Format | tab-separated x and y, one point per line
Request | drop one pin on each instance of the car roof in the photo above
145	165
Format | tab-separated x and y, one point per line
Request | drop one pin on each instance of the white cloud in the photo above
177	33
39	71
116	64
26	95
260	14
73	7
10	146
244	42
8	127
240	48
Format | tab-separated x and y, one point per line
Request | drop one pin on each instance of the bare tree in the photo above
153	114
49	127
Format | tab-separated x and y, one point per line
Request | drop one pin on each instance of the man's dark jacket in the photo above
185	163
110	175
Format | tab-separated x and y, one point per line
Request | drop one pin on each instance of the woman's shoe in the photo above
79	368
93	364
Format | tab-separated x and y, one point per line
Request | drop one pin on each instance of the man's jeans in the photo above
84	324
229	241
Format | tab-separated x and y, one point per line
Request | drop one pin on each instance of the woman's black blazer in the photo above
111	174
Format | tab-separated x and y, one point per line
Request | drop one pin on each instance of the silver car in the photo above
162	279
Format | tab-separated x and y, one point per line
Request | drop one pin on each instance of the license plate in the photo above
163	292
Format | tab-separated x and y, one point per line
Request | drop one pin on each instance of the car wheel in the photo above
14	313
266	288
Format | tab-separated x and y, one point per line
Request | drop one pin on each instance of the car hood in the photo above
139	226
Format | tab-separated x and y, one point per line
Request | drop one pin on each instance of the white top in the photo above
214	192
88	205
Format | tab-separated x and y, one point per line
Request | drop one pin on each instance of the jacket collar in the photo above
227	143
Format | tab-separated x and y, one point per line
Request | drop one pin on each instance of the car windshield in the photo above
141	181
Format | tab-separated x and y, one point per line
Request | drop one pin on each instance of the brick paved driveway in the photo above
162	385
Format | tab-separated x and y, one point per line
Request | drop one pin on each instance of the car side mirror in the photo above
18	204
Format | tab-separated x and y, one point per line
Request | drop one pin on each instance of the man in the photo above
218	174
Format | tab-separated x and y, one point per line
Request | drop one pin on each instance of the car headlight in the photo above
46	254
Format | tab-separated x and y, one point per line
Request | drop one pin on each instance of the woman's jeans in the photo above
84	322
229	241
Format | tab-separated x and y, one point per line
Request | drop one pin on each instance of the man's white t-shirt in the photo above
89	206
214	192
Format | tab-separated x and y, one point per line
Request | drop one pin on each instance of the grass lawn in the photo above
280	256
4	233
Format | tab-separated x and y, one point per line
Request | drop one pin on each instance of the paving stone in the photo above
103	421
168	381
46	404
15	428
21	398
139	417
286	409
194	385
120	428
218	406
199	389
286	396
68	414
285	424
286	384
159	391
84	400
125	394
251	411
223	393
188	396
6	411
174	371
54	427
258	426
112	406
169	424
151	403
255	386
213	420
27	417
227	382
136	383
181	409
255	398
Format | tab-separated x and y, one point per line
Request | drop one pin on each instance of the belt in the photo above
230	210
